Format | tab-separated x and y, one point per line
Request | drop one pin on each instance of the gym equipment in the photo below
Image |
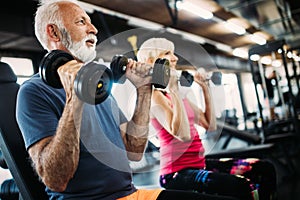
92	83
186	79
2	161
281	130
9	190
287	106
216	78
11	141
49	65
160	73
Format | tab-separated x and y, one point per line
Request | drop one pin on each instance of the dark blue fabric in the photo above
99	174
7	75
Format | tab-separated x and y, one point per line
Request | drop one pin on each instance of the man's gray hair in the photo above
48	13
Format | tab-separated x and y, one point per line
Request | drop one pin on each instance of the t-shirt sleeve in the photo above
35	116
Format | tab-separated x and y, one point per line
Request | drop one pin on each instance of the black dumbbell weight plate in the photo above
186	79
161	73
93	83
118	68
216	78
49	65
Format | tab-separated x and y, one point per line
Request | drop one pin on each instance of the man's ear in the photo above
53	32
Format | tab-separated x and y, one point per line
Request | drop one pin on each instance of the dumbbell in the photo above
187	79
9	190
160	72
92	84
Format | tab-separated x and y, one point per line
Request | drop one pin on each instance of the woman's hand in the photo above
200	78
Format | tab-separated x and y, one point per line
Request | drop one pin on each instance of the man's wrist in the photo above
144	89
136	130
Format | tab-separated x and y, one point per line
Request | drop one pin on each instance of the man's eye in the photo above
81	21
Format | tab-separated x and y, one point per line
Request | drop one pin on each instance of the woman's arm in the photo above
206	119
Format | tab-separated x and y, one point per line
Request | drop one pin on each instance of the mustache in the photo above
91	37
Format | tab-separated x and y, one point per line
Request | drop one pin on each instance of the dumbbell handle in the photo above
124	68
186	79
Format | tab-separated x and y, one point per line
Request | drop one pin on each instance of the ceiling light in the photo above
240	53
276	63
289	54
254	57
196	10
194	38
235	28
223	47
297	58
172	30
266	60
258	39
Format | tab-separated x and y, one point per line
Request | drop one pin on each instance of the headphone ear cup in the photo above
49	65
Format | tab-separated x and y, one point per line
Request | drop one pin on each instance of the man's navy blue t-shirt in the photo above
103	171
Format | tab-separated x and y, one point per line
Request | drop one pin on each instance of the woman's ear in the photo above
53	32
150	60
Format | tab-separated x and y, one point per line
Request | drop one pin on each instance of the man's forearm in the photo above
136	136
57	159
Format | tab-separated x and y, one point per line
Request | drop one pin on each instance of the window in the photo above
22	67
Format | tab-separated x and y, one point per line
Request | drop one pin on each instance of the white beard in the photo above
80	50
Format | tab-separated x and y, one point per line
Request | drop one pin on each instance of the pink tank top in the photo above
175	154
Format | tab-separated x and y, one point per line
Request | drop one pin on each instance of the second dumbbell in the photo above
92	84
160	72
187	79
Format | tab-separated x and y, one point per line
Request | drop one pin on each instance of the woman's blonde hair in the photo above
153	47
